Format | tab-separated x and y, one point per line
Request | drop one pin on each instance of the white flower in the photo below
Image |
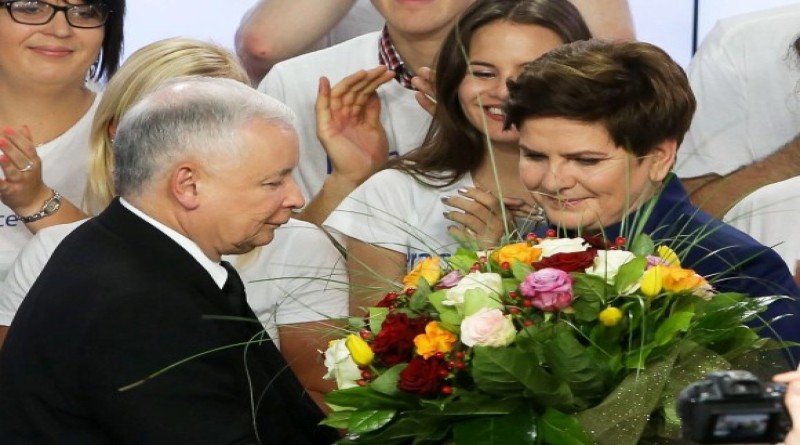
607	263
490	283
552	246
487	327
341	366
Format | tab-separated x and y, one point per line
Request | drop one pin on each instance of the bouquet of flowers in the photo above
550	340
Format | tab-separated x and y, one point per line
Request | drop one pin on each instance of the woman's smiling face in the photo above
581	178
497	53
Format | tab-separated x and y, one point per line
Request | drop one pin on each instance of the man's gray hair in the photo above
187	118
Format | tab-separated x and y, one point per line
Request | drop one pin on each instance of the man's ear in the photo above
183	185
663	158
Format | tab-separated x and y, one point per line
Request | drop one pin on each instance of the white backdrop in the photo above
666	23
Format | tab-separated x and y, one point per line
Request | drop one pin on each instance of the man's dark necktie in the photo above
287	413
234	291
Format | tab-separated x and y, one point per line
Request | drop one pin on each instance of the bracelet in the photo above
50	206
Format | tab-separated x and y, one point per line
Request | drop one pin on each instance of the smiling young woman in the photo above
52	53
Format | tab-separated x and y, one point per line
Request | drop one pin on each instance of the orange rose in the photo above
435	339
429	269
521	252
677	279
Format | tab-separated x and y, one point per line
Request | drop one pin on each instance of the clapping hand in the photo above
22	188
348	124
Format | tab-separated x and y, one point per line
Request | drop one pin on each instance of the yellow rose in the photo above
521	252
668	255
429	269
610	316
681	280
359	350
435	339
652	281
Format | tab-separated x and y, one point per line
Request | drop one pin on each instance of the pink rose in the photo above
488	327
549	289
552	301
449	280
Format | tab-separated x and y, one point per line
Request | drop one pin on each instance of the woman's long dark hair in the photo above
112	41
453	146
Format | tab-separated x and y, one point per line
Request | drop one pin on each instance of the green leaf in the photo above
629	274
338	419
477	299
590	286
463	260
557	428
520	270
586	306
355	323
386	383
364	397
364	421
509	371
376	317
677	322
447	314
642	245
570	363
420	297
516	428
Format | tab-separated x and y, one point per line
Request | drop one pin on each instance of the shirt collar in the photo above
217	272
387	55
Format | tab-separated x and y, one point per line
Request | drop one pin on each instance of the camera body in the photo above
733	407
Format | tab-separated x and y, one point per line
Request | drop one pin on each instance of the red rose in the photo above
395	341
597	242
423	377
568	262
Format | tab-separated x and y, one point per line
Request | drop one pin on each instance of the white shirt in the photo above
745	77
295	83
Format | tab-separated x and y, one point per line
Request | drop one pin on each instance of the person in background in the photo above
600	124
46	108
457	184
142	288
745	133
294	285
276	30
358	67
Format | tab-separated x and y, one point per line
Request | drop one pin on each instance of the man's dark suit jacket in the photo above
118	301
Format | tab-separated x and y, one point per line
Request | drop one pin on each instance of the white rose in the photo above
552	246
491	283
341	366
607	263
488	327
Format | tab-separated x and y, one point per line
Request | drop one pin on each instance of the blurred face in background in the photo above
421	18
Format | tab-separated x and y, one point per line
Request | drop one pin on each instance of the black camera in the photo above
733	407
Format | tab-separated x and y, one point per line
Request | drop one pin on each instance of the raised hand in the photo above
348	123
478	216
22	188
425	82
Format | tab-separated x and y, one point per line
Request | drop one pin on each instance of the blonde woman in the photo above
290	284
